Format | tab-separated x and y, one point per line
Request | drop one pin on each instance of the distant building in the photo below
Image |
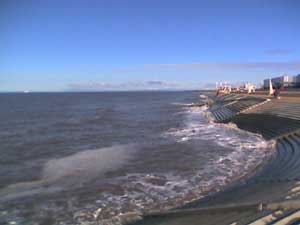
282	81
298	80
249	88
266	83
223	88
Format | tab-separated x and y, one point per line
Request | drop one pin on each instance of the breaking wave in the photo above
163	191
71	172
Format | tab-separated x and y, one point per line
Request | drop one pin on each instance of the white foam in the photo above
71	171
226	135
183	104
85	165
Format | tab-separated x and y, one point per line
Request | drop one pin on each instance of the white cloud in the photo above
217	67
135	85
278	51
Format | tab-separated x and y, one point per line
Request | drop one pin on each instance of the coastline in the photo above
257	187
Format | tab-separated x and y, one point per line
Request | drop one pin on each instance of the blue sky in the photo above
59	45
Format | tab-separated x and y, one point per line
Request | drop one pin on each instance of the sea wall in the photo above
272	196
272	118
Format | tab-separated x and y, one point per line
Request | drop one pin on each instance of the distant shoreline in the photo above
102	91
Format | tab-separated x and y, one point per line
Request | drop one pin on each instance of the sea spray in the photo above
71	172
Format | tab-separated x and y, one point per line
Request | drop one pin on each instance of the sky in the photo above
77	45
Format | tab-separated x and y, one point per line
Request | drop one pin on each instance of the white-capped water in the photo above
162	191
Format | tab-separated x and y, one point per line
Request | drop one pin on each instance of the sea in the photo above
106	157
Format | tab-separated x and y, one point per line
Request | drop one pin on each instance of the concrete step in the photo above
293	164
280	153
267	219
285	167
296	168
295	216
222	115
215	115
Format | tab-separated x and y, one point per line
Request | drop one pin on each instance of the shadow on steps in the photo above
269	126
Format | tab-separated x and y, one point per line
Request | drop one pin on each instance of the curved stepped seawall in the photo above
285	165
224	108
272	196
269	126
279	108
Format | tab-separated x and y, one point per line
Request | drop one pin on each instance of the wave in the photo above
183	104
249	149
203	96
164	191
71	172
88	164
